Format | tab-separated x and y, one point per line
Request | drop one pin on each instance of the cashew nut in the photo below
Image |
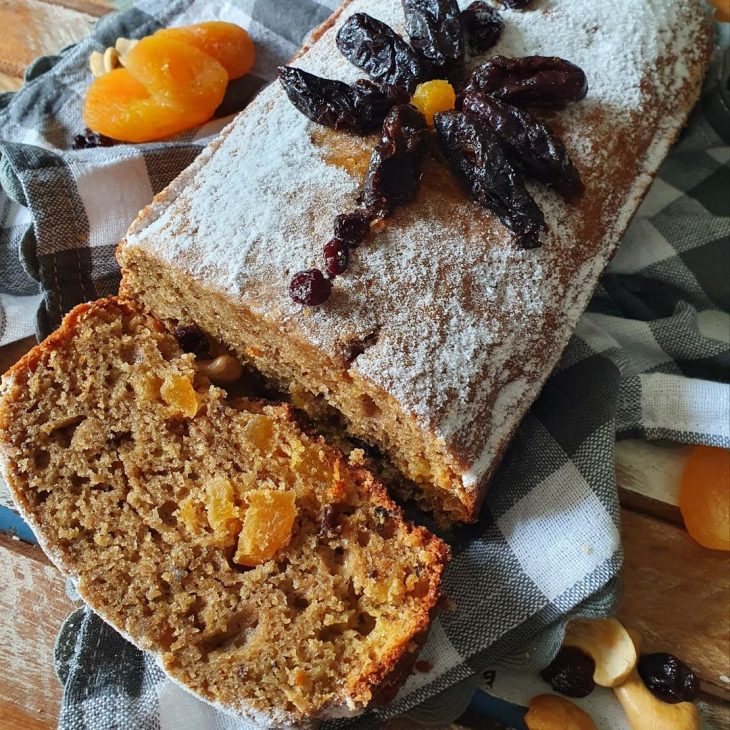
222	369
646	712
123	46
550	712
608	643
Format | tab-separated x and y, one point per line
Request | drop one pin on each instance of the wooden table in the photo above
675	592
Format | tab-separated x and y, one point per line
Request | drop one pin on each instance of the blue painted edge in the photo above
502	711
12	523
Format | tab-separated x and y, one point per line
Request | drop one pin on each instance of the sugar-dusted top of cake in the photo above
468	324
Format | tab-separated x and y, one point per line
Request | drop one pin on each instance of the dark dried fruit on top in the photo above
571	672
310	287
528	142
668	678
515	4
475	154
90	139
531	81
336	256
378	50
192	339
394	172
357	108
482	26
352	228
436	32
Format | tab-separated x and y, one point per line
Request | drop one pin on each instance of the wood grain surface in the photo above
31	28
33	604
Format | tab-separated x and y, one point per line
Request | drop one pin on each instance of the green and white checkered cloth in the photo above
650	357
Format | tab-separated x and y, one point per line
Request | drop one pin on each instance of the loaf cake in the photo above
443	331
267	574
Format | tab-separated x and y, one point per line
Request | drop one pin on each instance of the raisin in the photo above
352	228
336	256
475	154
436	32
378	50
394	172
571	672
192	339
91	139
329	524
482	25
528	142
310	287
357	108
532	81
515	4
668	678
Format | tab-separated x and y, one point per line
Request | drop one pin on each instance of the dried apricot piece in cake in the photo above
118	106
177	74
267	526
178	392
228	43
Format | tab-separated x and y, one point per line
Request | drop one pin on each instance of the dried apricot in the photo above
267	526
704	496
222	512
178	75
228	43
432	97
117	105
178	392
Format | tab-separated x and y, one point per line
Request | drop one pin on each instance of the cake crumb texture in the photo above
268	575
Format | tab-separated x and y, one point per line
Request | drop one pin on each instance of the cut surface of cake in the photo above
267	574
442	332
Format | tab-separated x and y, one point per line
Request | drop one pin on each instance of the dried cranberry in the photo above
668	678
352	228
476	156
310	287
532	81
378	50
528	142
336	256
91	139
192	339
394	172
483	26
571	672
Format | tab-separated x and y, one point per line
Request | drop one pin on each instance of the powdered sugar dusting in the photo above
469	324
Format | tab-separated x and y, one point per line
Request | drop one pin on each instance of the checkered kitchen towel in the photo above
651	357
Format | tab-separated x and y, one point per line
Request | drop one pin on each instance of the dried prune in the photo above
336	256
310	287
357	108
378	50
668	678
475	154
436	31
90	139
482	26
571	672
394	172
192	339
516	4
352	228
531	81
528	142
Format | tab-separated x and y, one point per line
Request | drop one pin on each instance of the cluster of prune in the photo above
490	141
90	139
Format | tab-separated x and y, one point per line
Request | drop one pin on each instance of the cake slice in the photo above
267	574
442	331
